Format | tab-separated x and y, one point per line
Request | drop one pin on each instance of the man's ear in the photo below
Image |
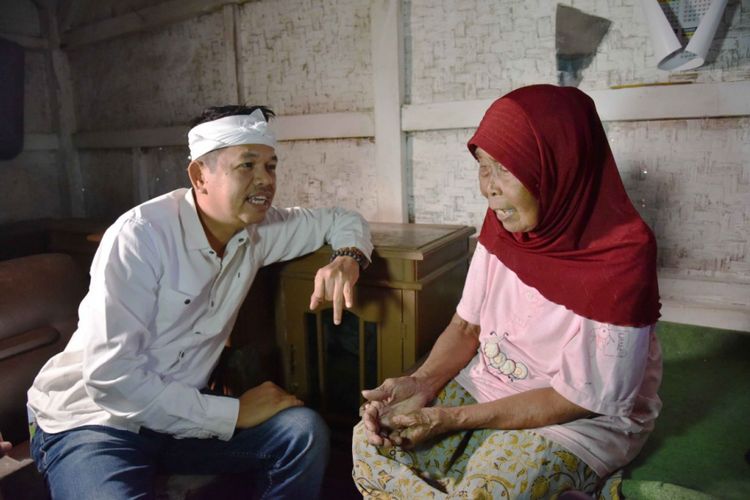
195	172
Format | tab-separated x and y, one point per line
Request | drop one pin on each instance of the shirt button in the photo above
242	239
211	252
212	303
238	275
187	301
197	333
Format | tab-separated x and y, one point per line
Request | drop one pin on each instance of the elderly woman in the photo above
546	378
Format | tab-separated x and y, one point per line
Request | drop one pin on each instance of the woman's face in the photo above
514	206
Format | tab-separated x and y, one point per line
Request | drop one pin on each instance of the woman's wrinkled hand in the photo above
419	426
395	396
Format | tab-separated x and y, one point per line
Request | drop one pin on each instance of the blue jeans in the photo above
284	457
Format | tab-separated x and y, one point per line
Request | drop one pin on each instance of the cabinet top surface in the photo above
394	236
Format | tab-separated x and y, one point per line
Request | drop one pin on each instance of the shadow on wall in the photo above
721	32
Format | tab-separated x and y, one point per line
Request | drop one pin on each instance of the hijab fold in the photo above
591	251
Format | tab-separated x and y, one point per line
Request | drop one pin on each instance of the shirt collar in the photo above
195	236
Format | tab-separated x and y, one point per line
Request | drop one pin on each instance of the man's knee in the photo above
306	431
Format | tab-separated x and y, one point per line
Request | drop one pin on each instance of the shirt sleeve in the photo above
475	287
118	365
602	368
291	232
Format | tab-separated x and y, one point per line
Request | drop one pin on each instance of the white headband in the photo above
230	131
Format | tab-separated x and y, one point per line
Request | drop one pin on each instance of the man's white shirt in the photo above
160	307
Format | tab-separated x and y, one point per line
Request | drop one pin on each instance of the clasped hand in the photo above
395	414
335	282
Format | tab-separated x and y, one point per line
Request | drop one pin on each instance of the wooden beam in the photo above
662	102
40	142
70	11
712	316
66	117
136	138
231	76
143	19
143	166
64	13
716	304
443	115
287	128
323	126
665	102
388	84
26	41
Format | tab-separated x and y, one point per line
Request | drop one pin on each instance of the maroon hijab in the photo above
591	251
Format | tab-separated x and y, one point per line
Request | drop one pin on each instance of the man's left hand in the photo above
335	282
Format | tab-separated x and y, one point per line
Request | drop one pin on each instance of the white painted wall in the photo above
34	185
150	79
327	173
306	56
320	58
696	192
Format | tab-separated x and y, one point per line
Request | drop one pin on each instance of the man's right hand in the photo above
263	402
395	396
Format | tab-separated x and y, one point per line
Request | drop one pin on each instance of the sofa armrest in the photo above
19	477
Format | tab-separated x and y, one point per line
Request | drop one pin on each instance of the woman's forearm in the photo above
527	410
452	351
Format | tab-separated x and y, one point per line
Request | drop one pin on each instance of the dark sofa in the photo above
39	297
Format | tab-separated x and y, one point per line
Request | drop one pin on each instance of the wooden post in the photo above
63	96
390	143
232	77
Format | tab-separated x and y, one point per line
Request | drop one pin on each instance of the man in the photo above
123	401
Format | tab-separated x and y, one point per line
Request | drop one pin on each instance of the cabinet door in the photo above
328	365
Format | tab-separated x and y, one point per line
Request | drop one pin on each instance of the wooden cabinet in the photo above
404	300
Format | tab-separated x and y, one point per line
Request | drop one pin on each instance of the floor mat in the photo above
702	436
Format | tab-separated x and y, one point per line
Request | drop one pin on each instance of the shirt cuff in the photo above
221	418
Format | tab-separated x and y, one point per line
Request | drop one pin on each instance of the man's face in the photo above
240	186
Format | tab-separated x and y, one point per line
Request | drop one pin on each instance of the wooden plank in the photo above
143	19
148	137
40	142
323	126
708	292
388	80
287	128
231	77
717	304
70	12
64	101
705	315
142	166
26	41
662	102
443	115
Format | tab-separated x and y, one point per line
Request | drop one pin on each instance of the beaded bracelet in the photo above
353	252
